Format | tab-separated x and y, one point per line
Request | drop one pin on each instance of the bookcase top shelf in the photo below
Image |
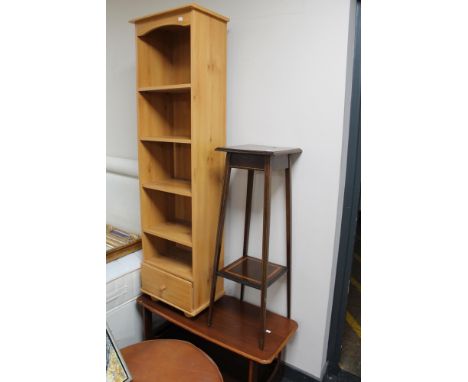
181	9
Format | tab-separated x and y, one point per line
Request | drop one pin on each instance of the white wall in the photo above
287	75
123	201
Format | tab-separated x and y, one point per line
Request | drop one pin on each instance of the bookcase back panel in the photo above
182	209
182	162
156	161
164	114
154	211
164	56
162	161
172	257
156	114
181	114
163	207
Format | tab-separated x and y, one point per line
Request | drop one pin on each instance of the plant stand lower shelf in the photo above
248	271
234	327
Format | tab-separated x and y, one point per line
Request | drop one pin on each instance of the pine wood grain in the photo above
186	8
167	287
176	88
181	97
208	132
174	186
164	115
168	256
168	139
177	232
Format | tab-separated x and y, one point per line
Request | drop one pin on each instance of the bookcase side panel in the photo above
208	130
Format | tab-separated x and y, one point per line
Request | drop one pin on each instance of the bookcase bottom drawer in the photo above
166	287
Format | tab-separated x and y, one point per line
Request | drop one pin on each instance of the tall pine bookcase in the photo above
181	106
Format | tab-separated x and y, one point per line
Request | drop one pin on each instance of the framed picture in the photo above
116	369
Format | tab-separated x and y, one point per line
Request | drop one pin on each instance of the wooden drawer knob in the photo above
162	288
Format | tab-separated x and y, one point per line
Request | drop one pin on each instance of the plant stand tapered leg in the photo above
265	245
288	234
248	211
219	235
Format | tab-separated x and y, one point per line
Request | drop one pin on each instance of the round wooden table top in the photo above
168	361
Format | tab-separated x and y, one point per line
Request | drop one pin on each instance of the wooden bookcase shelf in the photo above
164	57
173	186
166	89
165	162
167	138
168	216
166	254
174	231
181	104
165	116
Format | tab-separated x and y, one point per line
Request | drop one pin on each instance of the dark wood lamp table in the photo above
234	327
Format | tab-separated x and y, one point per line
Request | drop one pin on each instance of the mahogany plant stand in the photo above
247	270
